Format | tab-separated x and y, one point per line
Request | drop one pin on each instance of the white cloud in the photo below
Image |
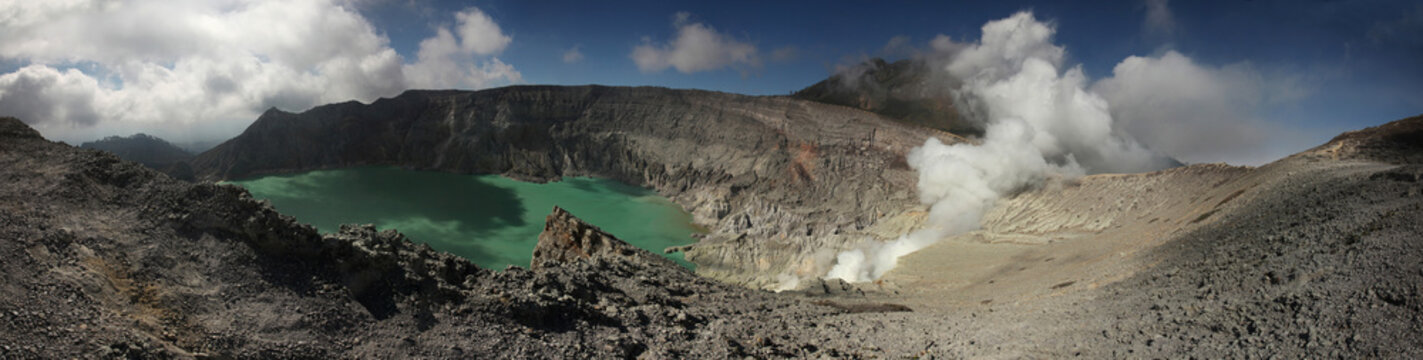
698	47
1198	113
445	61
572	55
192	70
945	44
479	34
43	93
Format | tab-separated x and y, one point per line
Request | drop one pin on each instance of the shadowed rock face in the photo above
908	91
1395	142
14	128
779	182
567	239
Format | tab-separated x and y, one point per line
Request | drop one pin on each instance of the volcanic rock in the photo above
781	183
107	258
567	239
909	91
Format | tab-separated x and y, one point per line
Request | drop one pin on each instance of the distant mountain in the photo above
906	90
198	147
141	148
148	150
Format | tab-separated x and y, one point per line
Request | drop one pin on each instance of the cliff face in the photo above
106	258
780	182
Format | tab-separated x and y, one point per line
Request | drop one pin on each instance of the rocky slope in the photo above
105	258
781	183
1318	254
906	90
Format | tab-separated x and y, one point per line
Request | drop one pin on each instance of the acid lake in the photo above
489	219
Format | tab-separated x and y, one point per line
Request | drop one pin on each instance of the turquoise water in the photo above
489	219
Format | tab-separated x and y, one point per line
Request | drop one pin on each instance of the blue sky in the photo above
1359	63
824	34
1325	66
1340	41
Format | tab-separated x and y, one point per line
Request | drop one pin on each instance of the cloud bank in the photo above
697	48
1198	113
193	70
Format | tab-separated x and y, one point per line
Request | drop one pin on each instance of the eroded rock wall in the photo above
105	258
781	184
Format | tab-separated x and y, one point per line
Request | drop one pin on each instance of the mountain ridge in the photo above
907	90
149	150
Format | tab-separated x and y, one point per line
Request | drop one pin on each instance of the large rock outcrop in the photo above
781	183
567	239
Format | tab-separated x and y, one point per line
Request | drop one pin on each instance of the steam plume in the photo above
1040	121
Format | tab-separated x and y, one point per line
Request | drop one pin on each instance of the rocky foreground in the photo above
1316	255
106	258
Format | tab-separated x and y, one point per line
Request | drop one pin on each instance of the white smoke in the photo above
1202	113
1040	121
786	282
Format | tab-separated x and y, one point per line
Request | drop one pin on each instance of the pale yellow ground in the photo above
1071	236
